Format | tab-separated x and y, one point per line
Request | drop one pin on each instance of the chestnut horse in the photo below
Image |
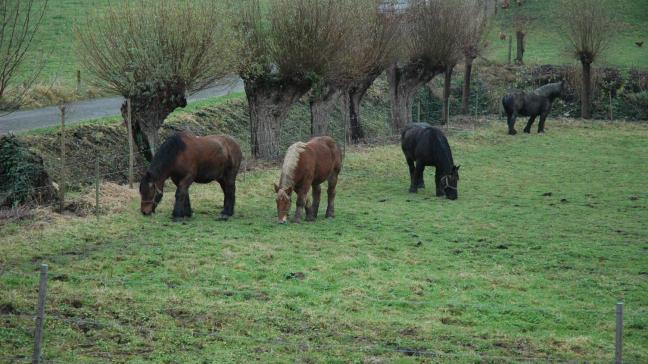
186	159
307	165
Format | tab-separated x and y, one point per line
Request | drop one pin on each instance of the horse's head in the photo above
283	202
563	90
150	193
450	183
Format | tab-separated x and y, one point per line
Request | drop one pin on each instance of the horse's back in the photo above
422	141
327	157
215	156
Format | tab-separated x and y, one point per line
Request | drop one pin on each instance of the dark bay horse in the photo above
186	159
426	145
532	104
307	165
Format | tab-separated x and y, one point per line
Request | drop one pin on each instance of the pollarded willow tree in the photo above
371	45
475	25
20	20
589	29
155	53
432	36
287	47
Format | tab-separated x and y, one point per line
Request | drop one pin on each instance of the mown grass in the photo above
505	271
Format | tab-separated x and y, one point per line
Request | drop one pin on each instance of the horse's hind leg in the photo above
527	129
417	180
412	171
510	119
311	211
330	208
229	192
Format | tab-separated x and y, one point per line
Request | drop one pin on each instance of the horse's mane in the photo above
548	90
166	155
290	163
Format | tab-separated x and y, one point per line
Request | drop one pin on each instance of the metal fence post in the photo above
619	334
40	318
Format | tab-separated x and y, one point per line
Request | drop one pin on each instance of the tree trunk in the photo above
586	101
269	102
465	97
321	106
352	99
404	82
447	82
520	47
148	115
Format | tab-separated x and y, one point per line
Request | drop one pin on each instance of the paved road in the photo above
90	109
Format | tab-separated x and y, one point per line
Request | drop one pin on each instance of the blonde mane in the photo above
290	163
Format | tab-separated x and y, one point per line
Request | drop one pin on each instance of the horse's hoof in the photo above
541	131
422	185
512	132
223	217
412	190
330	216
528	131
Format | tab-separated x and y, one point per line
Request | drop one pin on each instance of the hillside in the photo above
55	42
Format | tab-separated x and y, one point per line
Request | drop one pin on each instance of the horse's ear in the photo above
289	191
276	188
456	168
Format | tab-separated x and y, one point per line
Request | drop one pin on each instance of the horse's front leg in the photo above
330	209
311	212
302	194
541	124
527	129
510	118
440	191
229	192
182	207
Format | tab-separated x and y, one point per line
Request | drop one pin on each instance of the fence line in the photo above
349	346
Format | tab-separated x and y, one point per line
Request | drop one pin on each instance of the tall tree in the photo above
475	29
371	45
155	52
432	38
20	20
589	29
287	46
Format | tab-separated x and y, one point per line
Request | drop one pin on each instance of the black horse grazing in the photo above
428	146
186	159
532	104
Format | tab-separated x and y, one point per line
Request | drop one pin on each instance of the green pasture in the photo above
548	234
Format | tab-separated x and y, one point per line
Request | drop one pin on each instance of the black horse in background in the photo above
532	104
428	146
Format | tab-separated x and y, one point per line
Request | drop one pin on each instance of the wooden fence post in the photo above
510	48
40	317
78	80
619	334
131	156
97	184
63	161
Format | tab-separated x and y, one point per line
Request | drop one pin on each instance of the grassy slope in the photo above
545	42
503	271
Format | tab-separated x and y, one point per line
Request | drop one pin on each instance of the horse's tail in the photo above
507	102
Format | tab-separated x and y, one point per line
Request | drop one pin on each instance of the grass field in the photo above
545	43
549	232
55	42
